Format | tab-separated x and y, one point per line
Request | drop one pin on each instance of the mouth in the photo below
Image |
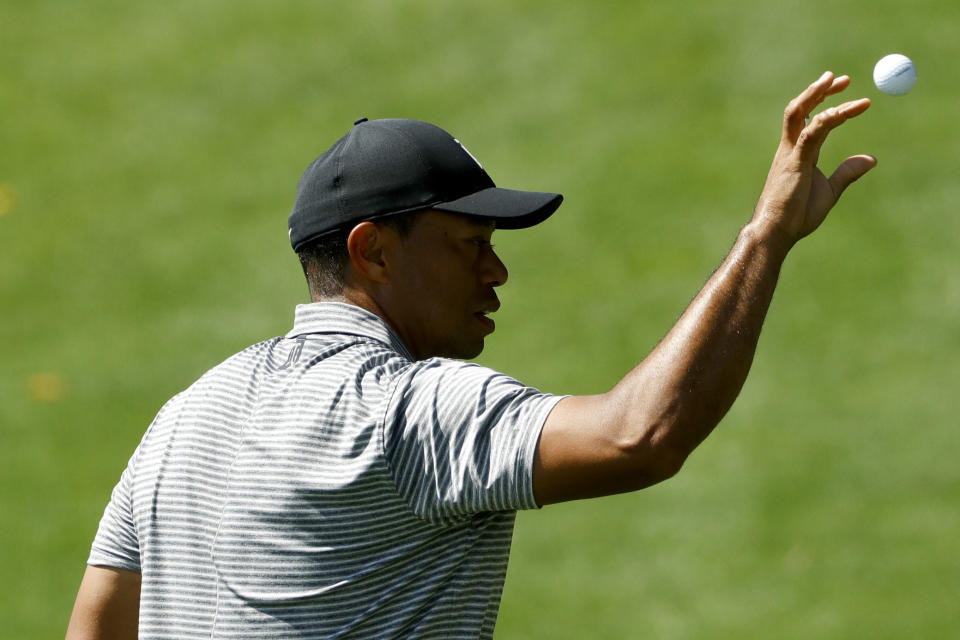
492	305
483	317
489	306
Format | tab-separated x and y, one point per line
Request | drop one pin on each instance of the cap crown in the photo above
378	168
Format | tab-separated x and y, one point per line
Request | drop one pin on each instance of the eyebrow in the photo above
482	222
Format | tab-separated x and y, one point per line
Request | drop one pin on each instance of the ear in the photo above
365	244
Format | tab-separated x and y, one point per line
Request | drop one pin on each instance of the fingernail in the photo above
825	75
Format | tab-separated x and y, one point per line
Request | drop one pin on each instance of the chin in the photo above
474	352
465	351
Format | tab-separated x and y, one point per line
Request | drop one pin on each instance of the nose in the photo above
495	272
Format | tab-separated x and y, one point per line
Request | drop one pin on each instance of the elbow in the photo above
654	453
670	462
660	463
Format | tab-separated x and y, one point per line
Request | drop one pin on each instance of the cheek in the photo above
442	273
430	281
441	281
415	274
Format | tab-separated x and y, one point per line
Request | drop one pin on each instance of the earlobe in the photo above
365	246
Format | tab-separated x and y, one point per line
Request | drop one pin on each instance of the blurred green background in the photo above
148	159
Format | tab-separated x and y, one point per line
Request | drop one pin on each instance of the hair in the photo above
324	259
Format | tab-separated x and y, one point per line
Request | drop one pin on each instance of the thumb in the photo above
849	171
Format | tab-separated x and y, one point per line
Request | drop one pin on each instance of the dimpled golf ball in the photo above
895	74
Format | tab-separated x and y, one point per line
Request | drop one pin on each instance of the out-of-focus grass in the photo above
149	158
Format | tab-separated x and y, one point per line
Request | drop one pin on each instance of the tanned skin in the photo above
642	430
435	288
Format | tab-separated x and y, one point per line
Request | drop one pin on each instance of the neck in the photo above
364	300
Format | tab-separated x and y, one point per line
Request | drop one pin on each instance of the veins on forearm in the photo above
703	361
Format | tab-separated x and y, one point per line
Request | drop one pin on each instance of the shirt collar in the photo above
343	318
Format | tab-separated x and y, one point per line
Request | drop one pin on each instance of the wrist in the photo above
761	234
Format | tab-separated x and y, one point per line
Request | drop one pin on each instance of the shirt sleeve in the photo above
116	543
460	439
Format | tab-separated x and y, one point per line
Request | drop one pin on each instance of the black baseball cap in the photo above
384	167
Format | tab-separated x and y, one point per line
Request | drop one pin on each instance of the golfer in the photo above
356	479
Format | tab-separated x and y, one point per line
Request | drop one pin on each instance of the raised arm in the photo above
642	430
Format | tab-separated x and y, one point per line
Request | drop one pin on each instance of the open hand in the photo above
797	196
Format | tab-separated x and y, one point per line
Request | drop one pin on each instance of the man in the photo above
351	479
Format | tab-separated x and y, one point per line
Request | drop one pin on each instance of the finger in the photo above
812	136
849	171
795	115
839	84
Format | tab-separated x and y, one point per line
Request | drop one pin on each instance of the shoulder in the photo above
434	369
446	377
453	390
460	438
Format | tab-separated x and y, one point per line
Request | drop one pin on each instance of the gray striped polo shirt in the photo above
326	485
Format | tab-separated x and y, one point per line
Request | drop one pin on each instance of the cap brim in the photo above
510	209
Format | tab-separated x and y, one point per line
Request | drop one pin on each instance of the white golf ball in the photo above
895	74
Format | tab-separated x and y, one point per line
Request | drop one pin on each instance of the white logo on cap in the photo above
472	157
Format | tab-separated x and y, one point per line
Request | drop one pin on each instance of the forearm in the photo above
673	399
678	394
641	431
